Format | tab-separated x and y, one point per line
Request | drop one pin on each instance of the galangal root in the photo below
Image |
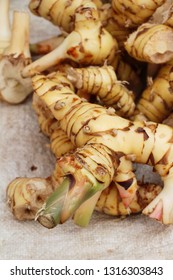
105	156
90	107
26	196
82	44
153	143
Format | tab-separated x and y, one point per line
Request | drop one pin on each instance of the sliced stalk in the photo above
68	197
5	31
13	87
83	214
50	214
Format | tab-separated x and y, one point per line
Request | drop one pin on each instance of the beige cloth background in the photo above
21	146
